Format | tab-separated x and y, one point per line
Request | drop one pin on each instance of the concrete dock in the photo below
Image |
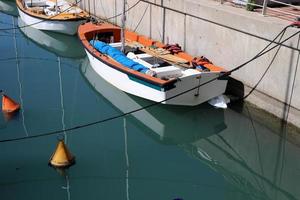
226	35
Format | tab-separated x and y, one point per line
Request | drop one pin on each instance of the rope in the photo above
214	22
265	72
7	35
261	53
294	80
125	10
33	58
5	29
117	15
138	24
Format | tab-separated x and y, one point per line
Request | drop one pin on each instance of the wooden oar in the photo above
167	57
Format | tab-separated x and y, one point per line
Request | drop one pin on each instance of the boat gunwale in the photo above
51	18
114	64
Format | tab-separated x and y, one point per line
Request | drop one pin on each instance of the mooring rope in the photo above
267	69
261	53
294	80
117	15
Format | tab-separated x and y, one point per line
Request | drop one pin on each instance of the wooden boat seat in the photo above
167	72
37	10
176	60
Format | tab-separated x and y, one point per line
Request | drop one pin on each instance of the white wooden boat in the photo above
153	73
52	15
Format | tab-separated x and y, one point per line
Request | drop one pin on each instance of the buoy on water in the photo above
8	104
61	158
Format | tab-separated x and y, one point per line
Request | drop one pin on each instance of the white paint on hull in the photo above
65	27
121	100
124	83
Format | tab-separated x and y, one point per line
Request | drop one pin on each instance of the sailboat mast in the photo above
56	8
123	27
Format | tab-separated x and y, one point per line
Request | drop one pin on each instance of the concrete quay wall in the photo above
228	36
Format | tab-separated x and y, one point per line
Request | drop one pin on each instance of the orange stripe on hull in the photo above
214	68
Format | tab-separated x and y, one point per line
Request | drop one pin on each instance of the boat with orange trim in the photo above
52	15
160	121
149	69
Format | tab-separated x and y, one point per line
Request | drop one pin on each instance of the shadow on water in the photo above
59	44
165	123
256	162
9	7
6	117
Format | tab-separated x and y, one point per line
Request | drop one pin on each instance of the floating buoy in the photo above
61	158
8	104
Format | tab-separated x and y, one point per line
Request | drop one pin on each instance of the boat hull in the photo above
59	26
145	90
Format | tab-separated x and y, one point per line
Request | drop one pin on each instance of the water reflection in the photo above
167	124
24	66
60	44
256	162
187	153
9	7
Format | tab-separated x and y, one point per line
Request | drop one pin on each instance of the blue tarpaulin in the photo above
118	55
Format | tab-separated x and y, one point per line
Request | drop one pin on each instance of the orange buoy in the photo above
61	158
8	104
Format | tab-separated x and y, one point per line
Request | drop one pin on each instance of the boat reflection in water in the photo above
9	7
256	162
169	124
60	44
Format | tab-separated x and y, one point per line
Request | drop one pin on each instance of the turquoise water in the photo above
164	152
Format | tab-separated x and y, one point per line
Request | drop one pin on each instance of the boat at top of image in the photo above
8	7
165	123
61	45
148	68
52	15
